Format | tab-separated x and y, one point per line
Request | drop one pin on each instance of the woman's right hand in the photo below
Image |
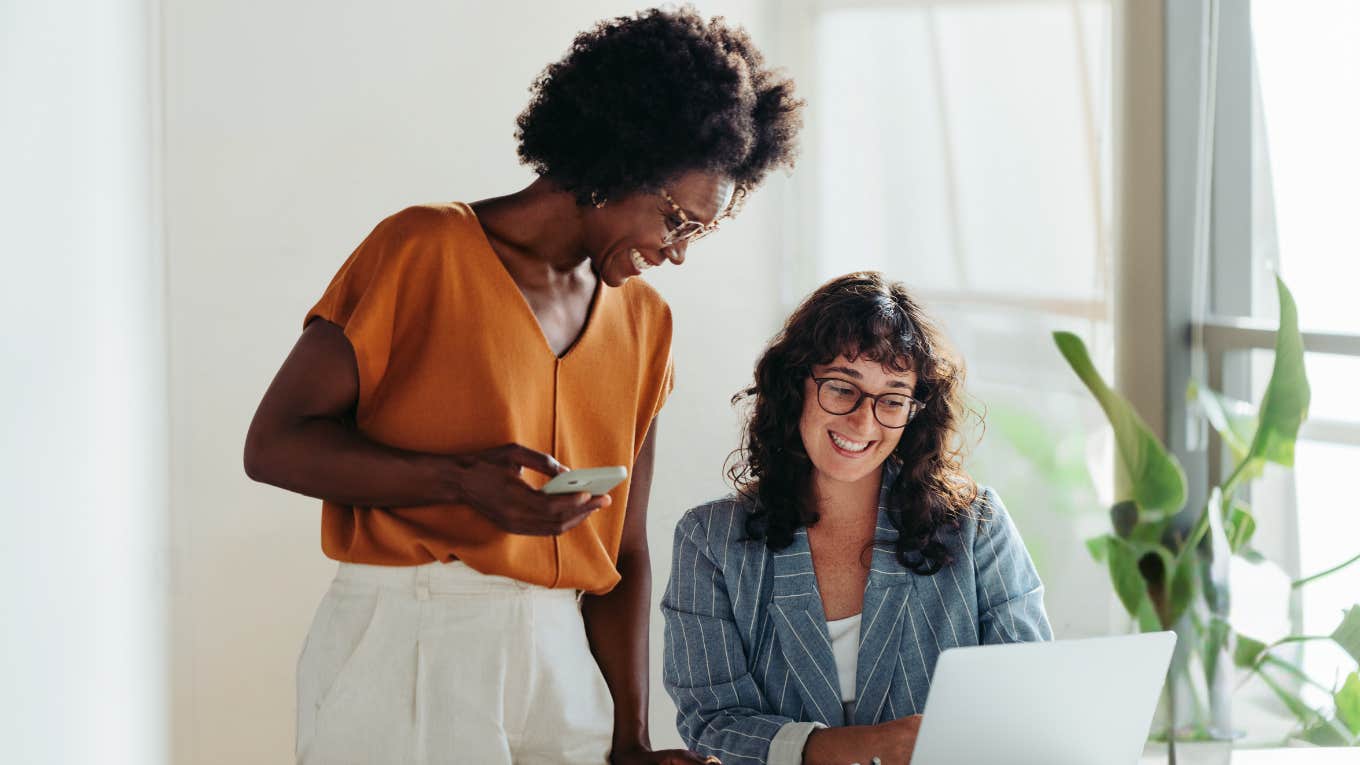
900	739
891	742
491	482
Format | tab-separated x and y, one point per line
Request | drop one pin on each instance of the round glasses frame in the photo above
689	230
914	406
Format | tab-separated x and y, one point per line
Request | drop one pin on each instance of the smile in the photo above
846	445
639	262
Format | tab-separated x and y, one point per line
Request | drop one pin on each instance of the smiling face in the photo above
639	223
849	448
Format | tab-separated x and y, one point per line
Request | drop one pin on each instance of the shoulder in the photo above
644	301
985	517
715	525
426	220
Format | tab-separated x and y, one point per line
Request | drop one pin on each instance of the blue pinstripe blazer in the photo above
746	644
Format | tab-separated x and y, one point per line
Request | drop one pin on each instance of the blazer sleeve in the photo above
1009	594
719	705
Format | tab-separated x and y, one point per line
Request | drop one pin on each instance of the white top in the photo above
845	647
787	746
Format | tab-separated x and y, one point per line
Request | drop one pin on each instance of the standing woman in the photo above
473	618
805	614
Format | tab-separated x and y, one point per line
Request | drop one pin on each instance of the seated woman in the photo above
805	614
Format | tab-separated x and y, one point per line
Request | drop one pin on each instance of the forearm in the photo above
329	459
616	625
854	743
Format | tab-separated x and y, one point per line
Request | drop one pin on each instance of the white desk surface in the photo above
1299	756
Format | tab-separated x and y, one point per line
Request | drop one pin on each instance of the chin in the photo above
614	270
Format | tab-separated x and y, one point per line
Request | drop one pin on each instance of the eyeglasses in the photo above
692	230
892	410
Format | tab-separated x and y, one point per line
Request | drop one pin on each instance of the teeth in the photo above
639	262
849	446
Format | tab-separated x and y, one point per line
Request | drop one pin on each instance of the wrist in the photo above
445	477
630	741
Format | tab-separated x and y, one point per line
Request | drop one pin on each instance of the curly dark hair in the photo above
858	315
639	100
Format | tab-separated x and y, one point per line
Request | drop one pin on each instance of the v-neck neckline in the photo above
596	299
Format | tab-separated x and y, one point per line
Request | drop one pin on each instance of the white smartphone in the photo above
597	481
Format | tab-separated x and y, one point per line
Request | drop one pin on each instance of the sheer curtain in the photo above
963	147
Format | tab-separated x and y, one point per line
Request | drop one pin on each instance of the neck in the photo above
539	226
845	503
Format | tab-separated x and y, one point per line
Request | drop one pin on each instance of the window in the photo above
927	169
1305	168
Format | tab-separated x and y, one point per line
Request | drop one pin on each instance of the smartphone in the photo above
596	481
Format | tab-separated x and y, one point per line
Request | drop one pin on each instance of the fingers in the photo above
537	461
684	757
526	511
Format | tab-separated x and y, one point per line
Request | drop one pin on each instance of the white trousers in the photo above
441	664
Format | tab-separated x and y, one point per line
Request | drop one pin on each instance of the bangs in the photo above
870	326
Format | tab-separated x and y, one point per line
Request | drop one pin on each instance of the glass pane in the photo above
1329	534
967	156
1333	381
961	147
1309	69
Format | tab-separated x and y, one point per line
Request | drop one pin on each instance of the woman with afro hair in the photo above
805	613
473	617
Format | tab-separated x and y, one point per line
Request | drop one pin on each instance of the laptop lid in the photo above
1067	702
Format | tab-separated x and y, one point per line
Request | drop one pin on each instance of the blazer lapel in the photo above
886	595
800	624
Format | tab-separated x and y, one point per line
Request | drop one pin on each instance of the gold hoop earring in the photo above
596	200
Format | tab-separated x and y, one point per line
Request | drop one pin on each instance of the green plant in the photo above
1169	567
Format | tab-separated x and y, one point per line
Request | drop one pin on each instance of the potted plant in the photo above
1168	562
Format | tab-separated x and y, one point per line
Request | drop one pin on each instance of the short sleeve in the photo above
667	385
364	296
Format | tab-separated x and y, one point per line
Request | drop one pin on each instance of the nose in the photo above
863	416
675	253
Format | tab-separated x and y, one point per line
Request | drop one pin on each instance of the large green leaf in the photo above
1153	476
1347	633
1284	406
1348	703
1124	573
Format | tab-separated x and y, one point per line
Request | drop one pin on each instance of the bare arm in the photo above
303	438
617	625
891	742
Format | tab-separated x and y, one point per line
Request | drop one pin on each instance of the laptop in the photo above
1067	702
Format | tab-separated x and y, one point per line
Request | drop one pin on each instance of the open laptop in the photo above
1068	702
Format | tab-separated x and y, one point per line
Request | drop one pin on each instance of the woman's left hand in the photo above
663	757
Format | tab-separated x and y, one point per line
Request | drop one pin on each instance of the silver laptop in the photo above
1068	702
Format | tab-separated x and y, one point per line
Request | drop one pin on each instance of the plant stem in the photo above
1293	670
1298	639
1301	582
1201	528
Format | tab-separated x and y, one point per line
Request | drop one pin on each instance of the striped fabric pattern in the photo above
746	644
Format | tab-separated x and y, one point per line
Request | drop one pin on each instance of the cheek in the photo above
811	419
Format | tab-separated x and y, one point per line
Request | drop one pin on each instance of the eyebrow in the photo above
848	372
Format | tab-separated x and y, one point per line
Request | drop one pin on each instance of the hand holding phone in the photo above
594	481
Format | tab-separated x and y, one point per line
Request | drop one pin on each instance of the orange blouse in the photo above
452	360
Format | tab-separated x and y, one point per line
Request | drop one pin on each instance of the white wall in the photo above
289	134
82	461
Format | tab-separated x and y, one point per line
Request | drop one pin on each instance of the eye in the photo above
893	404
842	389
